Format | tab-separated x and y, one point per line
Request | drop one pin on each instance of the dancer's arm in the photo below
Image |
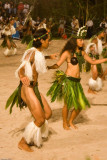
60	62
87	58
52	56
24	79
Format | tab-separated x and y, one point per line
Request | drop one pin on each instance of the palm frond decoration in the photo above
10	99
15	99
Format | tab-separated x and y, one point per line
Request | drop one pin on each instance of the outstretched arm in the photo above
52	56
60	62
87	58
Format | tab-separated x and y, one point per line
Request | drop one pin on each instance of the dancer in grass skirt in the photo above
8	42
97	39
95	82
28	31
67	85
27	93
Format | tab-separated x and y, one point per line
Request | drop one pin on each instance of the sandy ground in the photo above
89	140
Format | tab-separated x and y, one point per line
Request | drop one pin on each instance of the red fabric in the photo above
21	6
64	36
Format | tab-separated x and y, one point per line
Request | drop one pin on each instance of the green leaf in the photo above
14	101
10	99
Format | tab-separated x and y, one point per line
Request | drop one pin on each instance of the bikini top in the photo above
79	59
74	61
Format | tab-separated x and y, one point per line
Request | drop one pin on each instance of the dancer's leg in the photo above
47	109
74	114
8	43
94	77
104	74
29	97
65	116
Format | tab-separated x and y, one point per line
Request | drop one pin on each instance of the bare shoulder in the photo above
66	53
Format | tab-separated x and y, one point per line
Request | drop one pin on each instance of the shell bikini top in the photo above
39	61
79	59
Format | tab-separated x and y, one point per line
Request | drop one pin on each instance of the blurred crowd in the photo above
24	24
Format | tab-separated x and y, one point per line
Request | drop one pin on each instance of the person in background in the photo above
89	25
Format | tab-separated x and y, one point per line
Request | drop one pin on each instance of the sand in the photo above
89	140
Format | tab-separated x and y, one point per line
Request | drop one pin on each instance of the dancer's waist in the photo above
32	83
74	79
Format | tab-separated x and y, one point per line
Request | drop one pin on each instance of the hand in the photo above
48	67
54	56
25	81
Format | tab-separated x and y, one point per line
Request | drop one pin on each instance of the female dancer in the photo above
95	82
67	85
27	93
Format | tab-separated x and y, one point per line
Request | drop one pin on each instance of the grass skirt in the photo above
15	98
104	53
88	66
69	89
26	39
4	43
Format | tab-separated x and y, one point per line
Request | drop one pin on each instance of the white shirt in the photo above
89	23
7	6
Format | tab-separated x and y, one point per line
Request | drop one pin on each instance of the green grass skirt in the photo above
4	43
15	98
26	39
99	67
69	89
104	53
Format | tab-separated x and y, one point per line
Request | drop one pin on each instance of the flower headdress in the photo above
35	39
38	38
81	33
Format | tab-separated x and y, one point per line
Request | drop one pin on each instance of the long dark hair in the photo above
70	46
39	34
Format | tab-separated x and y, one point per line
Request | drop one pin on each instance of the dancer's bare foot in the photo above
91	91
65	126
24	146
72	125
